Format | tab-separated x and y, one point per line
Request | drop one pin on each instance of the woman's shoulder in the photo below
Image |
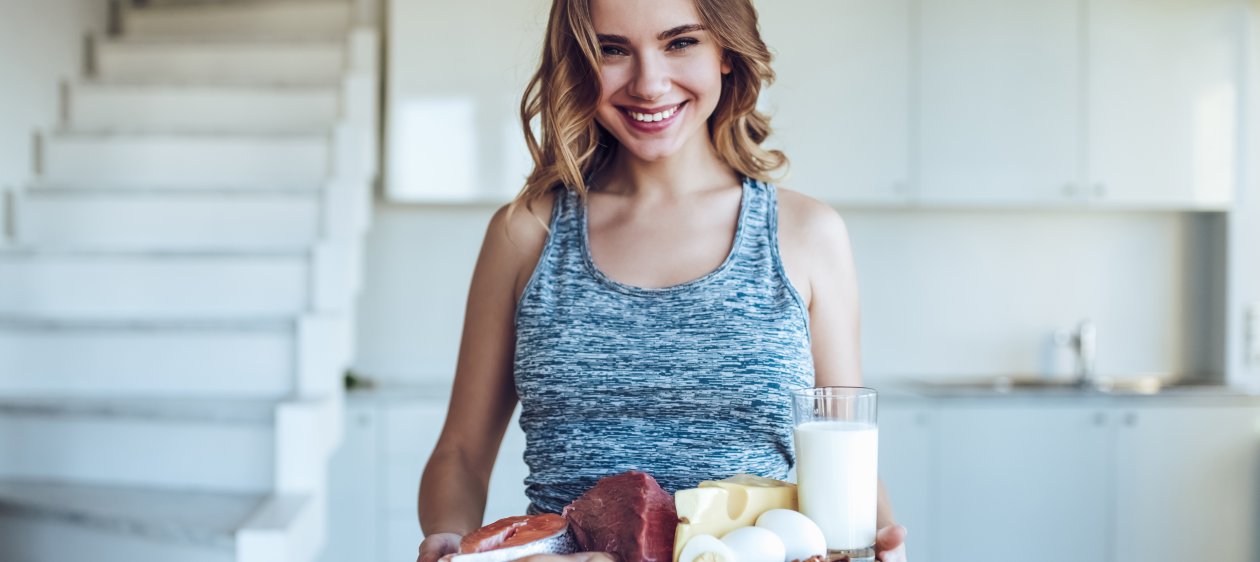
519	233
805	219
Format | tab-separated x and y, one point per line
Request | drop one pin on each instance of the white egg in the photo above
754	544
800	535
706	548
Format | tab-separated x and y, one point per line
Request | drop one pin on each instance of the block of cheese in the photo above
720	506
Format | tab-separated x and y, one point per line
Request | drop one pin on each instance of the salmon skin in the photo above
516	537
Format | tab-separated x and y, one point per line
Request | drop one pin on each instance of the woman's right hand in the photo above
437	545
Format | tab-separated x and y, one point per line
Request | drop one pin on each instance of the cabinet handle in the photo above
1069	190
900	187
1100	190
1100	419
1130	419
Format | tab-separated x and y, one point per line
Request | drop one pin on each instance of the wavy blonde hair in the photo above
564	93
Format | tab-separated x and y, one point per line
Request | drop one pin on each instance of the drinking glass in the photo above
837	452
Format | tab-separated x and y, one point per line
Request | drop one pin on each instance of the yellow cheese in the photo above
720	506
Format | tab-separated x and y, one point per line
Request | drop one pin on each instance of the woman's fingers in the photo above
438	546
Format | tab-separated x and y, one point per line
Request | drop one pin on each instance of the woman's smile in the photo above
652	120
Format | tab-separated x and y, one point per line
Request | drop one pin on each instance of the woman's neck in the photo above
693	168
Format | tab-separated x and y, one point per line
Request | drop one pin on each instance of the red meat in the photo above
628	515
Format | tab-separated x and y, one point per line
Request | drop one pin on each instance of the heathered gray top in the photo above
686	383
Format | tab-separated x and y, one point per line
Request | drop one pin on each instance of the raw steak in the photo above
628	515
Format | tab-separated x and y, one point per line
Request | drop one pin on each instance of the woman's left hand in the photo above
890	544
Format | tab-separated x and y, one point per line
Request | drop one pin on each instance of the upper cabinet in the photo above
1164	91
840	103
999	102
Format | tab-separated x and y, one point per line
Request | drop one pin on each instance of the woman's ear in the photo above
726	65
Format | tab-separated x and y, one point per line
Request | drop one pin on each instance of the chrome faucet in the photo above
1085	343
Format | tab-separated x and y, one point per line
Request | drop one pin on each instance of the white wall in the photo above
943	292
50	34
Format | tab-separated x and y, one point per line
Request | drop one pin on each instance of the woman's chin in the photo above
652	152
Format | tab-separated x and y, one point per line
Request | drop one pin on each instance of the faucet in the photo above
1084	342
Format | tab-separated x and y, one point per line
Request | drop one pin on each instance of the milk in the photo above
837	480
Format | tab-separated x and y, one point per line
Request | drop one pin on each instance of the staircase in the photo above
176	297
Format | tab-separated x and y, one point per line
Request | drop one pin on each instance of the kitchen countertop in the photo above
910	390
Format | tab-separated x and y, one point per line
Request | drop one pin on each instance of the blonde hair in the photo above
565	91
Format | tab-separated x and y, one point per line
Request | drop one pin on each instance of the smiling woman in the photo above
649	296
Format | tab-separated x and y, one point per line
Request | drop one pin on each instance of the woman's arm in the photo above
818	257
455	482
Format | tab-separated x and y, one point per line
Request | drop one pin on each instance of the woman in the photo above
653	297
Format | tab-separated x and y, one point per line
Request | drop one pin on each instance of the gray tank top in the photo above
687	383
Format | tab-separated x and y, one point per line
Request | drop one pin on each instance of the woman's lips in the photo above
652	120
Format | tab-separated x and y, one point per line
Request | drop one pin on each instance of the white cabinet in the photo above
1164	96
907	438
1102	481
999	101
375	478
1186	483
841	102
1021	483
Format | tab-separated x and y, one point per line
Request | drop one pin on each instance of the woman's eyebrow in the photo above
668	34
675	32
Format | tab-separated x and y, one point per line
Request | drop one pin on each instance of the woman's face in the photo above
661	77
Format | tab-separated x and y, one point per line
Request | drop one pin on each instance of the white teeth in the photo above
652	117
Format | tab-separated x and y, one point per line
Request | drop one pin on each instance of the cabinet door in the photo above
1186	484
907	465
841	103
1023	483
352	476
999	103
409	430
1164	80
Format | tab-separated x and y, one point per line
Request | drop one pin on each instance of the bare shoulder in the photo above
516	235
813	241
806	219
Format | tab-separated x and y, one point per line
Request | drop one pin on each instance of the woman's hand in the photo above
890	544
437	545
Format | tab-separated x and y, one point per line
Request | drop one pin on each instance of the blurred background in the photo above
238	236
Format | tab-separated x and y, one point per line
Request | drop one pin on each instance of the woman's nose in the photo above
651	80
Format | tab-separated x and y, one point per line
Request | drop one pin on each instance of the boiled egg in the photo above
755	544
800	535
706	548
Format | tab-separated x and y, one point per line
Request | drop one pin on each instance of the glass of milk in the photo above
837	451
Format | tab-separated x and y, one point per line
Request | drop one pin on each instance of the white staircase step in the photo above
42	521
276	18
154	286
300	63
259	359
99	107
166	443
197	161
165	220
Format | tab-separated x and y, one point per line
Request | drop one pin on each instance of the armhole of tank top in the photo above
772	193
542	256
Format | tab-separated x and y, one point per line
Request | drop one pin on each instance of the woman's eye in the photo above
680	44
612	51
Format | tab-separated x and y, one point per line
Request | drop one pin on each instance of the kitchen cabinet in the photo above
999	101
1186	483
907	455
375	477
840	102
1021	483
1164	100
